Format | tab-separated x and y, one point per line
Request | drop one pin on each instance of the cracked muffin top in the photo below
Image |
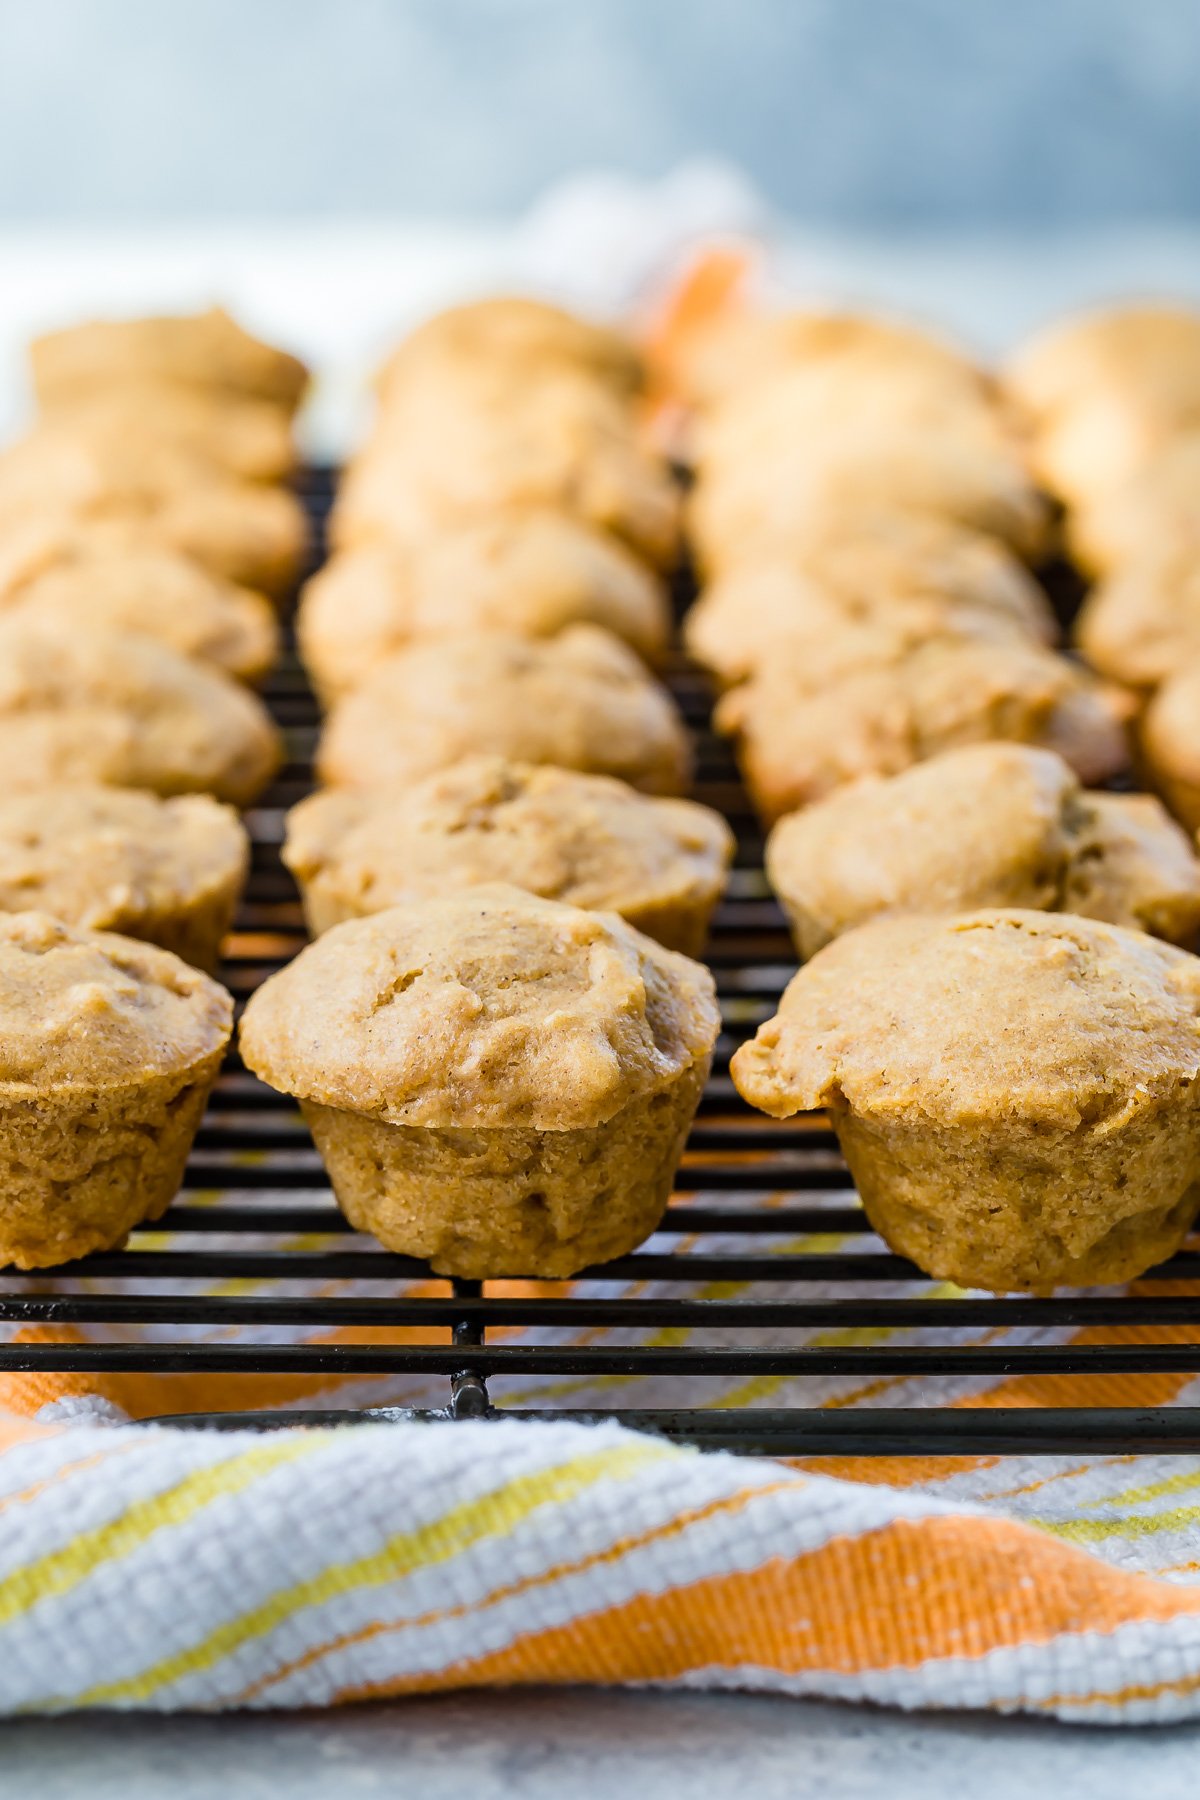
106	857
116	707
584	839
1035	1017
86	1009
582	700
987	825
485	1009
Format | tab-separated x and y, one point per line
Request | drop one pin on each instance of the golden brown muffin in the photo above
496	1082
1159	505
1017	1093
1143	621
748	615
870	703
584	839
169	872
581	700
744	352
979	482
120	708
250	439
199	350
251	534
1170	743
107	1053
530	573
164	594
513	331
987	825
496	443
1105	391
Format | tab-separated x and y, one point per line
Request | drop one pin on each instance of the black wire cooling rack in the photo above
254	1147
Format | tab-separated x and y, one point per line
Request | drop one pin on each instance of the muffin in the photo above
583	839
110	1048
747	616
169	872
1105	391
165	595
1170	743
121	709
206	350
1158	505
496	1082
1017	1093
1143	622
529	572
869	704
556	443
988	825
248	438
513	331
980	482
248	533
581	700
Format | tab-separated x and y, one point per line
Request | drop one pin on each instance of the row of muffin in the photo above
145	536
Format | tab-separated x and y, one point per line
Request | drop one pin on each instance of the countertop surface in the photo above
546	1745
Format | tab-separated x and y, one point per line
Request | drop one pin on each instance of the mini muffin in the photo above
169	872
206	350
584	839
1017	1093
979	481
1170	743
242	530
493	438
529	572
120	708
1158	505
514	330
496	1082
1143	622
248	438
582	700
165	595
987	825
745	617
109	1050
1105	390
869	704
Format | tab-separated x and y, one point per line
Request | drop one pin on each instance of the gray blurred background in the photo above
868	114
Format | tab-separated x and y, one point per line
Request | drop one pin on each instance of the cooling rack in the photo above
714	1277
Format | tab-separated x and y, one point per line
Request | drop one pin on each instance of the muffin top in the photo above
986	825
206	349
88	1010
1143	350
583	839
1143	621
1038	1018
1160	504
484	1009
744	617
529	571
249	437
514	328
163	593
109	857
581	700
120	708
868	703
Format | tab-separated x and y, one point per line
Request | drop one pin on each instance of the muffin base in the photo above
77	1173
1010	1208
196	930
511	1202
